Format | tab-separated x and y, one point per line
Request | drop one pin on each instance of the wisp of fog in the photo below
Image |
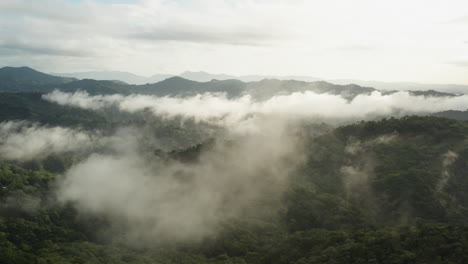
219	109
148	197
23	140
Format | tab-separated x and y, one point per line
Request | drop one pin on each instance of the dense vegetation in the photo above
401	211
386	191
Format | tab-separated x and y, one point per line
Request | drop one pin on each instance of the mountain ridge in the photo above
24	79
203	76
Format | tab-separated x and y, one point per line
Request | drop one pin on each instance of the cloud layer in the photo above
23	140
148	197
387	41
218	109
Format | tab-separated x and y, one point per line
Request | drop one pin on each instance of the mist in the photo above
448	159
20	140
148	197
158	198
151	198
218	109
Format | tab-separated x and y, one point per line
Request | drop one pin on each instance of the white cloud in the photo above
23	141
330	39
238	113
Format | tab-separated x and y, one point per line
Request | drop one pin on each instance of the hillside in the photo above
25	79
26	75
142	179
368	192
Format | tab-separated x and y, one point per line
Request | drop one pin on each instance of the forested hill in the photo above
25	79
31	107
389	191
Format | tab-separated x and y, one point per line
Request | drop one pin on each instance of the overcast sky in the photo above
397	40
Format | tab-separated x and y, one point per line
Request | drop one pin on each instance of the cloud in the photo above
359	170
447	161
12	48
24	141
238	113
276	37
220	22
157	198
189	33
257	149
244	172
357	47
147	198
462	64
462	19
60	36
149	21
48	9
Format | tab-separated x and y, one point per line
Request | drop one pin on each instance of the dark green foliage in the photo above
31	107
402	214
309	208
422	243
24	79
94	87
458	115
27	75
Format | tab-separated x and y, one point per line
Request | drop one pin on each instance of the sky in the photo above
419	40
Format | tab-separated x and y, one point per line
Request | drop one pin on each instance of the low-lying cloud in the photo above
219	109
24	141
148	196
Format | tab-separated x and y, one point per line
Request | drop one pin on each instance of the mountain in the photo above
202	76
28	80
31	107
18	79
28	75
404	86
199	76
158	77
178	86
453	114
126	77
432	93
267	88
24	79
172	86
96	87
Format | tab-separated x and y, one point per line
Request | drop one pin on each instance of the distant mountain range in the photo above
24	79
199	76
202	76
406	86
126	77
26	75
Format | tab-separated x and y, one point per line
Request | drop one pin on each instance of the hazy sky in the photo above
417	40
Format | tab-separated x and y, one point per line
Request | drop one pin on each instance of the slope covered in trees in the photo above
389	191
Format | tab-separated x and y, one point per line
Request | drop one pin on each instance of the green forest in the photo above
383	190
369	192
